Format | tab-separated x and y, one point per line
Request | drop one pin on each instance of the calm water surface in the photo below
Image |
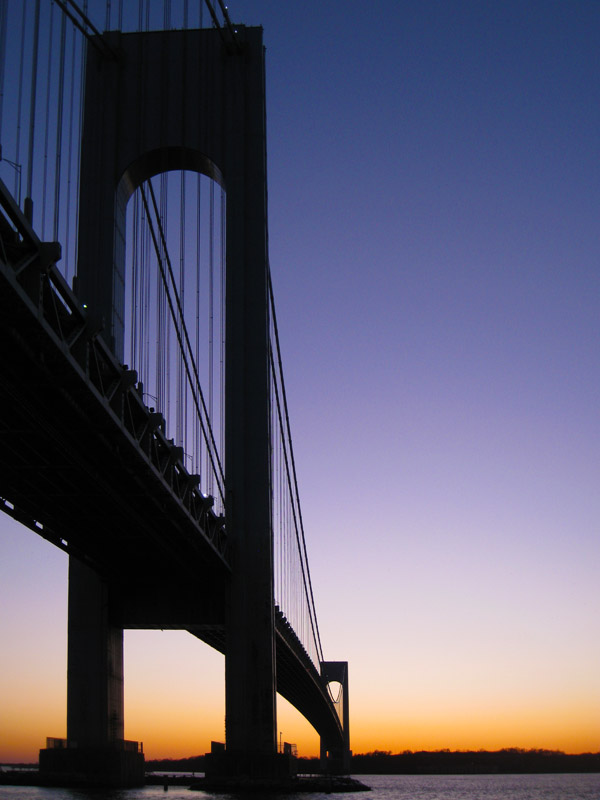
384	787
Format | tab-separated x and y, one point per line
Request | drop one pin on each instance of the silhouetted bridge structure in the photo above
165	528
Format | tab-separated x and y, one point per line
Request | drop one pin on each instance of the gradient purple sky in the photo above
434	194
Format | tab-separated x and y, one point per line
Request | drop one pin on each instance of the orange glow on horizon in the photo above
174	703
175	700
188	732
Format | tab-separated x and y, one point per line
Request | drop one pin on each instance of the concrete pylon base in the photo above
336	763
230	766
92	767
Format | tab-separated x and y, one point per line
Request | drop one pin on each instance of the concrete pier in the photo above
94	752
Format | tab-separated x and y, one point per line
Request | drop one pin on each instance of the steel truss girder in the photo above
68	338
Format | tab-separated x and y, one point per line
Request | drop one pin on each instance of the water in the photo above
384	787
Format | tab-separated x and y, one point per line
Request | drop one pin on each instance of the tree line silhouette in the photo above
509	760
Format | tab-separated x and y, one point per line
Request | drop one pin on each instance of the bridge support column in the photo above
250	679
336	757
95	663
94	752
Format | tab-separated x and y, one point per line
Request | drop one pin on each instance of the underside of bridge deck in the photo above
79	461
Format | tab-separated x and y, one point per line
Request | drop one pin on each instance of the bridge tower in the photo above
335	756
194	100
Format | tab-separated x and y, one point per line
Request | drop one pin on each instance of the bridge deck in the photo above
82	459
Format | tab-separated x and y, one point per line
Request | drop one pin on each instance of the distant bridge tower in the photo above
336	756
189	100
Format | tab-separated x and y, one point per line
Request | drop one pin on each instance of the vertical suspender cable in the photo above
165	342
140	283
211	266
80	131
17	191
163	218
223	268
47	120
159	329
277	483
182	406
284	553
283	514
281	536
136	309
145	266
138	233
182	394
198	436
183	336
70	152
276	517
130	355
293	476
276	513
32	98
3	18
184	342
294	521
59	126
290	564
164	193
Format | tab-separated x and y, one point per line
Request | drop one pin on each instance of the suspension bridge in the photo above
144	427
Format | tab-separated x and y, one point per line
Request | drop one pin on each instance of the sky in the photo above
434	187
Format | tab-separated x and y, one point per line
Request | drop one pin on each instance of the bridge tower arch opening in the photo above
189	99
174	320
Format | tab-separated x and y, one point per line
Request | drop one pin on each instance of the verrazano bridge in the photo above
144	426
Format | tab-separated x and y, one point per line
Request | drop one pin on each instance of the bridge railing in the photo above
55	743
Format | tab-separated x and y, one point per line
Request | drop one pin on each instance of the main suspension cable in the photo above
97	40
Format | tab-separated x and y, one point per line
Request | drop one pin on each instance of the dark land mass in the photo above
439	762
446	762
